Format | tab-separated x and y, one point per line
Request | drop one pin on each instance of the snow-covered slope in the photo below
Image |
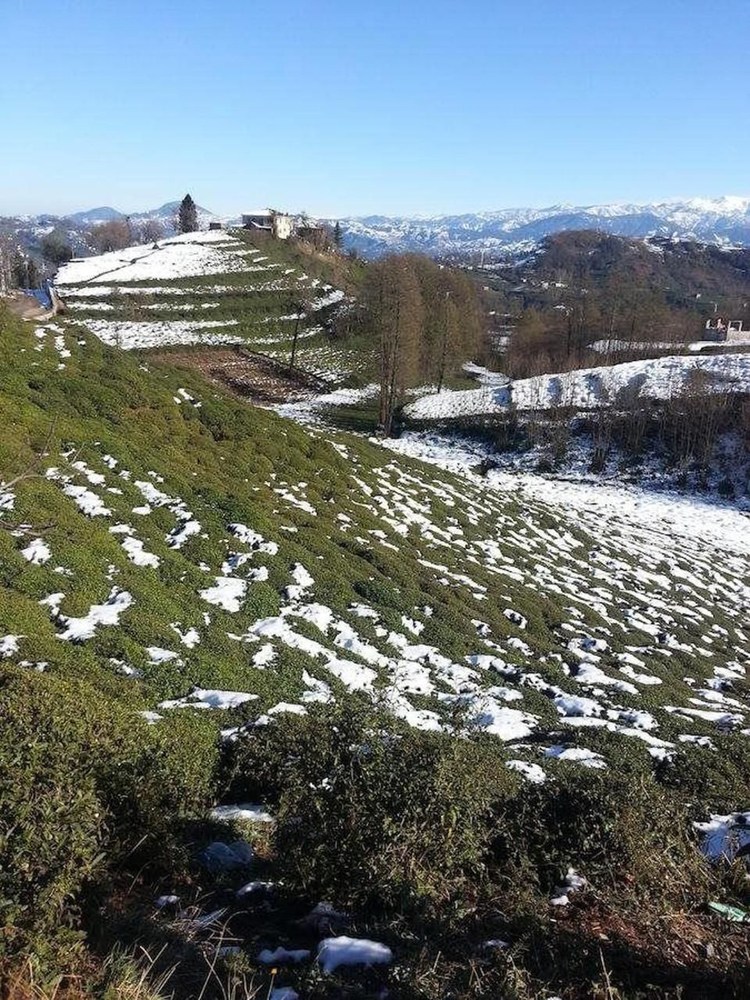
591	388
721	220
184	256
213	288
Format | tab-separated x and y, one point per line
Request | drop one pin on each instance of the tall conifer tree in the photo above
187	217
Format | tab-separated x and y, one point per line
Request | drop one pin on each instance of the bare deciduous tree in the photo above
300	309
113	235
151	231
394	303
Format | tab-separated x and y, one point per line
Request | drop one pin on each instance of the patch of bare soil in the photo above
25	306
246	374
700	955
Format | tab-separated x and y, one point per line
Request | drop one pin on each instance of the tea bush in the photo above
372	815
88	788
624	832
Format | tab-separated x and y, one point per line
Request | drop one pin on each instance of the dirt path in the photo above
246	375
30	309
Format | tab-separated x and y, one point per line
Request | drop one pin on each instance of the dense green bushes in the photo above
718	781
370	815
626	833
87	788
390	823
376	817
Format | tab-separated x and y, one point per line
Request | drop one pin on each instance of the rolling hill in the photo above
282	690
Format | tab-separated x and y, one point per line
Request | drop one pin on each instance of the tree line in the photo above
19	269
701	430
424	319
120	233
628	325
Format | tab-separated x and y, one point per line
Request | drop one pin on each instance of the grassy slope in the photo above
230	462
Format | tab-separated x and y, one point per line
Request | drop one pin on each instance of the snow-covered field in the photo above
185	256
592	388
670	516
119	295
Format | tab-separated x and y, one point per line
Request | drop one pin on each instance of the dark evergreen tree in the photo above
338	237
55	249
25	272
187	217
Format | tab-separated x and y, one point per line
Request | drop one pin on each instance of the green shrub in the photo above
86	789
714	781
622	831
372	816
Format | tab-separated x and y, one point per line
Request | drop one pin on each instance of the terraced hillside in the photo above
200	544
216	571
212	288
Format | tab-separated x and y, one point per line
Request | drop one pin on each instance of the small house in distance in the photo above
725	331
273	223
318	236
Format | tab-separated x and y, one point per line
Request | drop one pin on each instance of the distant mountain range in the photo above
493	235
166	214
722	221
27	231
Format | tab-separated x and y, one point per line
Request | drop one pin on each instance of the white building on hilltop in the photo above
274	223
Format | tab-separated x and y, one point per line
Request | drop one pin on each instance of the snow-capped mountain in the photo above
497	235
166	214
26	232
721	221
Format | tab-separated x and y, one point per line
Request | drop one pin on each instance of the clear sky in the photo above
354	107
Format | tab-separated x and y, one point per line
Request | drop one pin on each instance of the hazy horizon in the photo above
417	216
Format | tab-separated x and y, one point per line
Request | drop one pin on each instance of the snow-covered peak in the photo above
712	220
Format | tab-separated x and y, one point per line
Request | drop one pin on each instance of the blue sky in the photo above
354	108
